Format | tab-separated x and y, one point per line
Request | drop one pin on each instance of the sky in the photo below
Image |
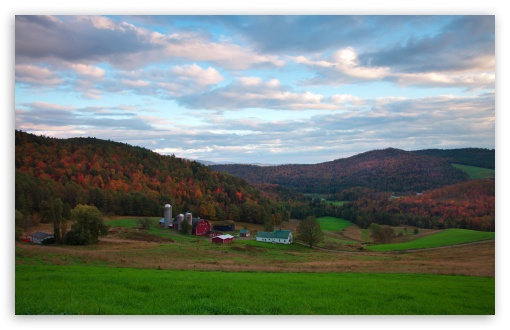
259	88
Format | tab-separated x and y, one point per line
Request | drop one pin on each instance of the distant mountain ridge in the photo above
209	163
387	169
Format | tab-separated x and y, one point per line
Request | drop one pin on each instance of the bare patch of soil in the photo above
353	233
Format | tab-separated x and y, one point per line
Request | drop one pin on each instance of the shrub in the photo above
145	223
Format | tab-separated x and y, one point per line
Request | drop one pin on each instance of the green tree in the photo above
381	234
88	226
186	227
52	211
309	231
270	223
19	225
59	222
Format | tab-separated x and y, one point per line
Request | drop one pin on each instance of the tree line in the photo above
468	205
119	179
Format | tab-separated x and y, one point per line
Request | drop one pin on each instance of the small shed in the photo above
244	233
38	237
223	239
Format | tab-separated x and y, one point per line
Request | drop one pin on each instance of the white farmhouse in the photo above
278	236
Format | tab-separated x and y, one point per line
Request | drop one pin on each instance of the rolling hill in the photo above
387	170
121	179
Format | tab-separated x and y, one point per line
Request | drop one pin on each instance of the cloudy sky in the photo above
259	88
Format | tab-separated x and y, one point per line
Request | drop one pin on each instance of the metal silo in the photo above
178	221
168	215
189	218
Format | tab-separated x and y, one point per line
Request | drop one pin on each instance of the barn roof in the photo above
276	234
196	221
224	236
244	231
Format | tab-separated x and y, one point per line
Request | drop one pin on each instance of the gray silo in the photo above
168	215
179	219
189	218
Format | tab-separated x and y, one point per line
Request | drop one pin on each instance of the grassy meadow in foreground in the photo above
92	290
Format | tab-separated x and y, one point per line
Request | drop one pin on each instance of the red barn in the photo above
223	239
200	227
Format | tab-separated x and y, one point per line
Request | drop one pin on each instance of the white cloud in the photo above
36	75
227	55
346	99
51	106
196	75
135	83
88	70
343	66
101	22
253	92
436	79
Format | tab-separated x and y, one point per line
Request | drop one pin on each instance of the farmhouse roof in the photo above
244	231
276	234
40	234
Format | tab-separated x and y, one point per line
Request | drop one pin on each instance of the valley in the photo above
441	214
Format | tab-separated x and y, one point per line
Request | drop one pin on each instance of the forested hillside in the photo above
121	179
479	157
469	205
387	170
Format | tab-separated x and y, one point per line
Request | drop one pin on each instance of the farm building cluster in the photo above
202	227
199	227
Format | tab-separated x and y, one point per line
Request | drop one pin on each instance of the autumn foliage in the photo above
469	205
387	170
120	179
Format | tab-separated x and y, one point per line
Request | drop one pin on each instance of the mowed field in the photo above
93	290
137	263
476	172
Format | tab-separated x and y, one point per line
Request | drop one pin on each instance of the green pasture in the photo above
128	222
443	238
93	290
338	203
333	224
476	172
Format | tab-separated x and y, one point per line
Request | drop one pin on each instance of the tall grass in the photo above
91	290
443	238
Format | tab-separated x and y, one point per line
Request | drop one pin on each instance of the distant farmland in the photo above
333	224
443	238
476	172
